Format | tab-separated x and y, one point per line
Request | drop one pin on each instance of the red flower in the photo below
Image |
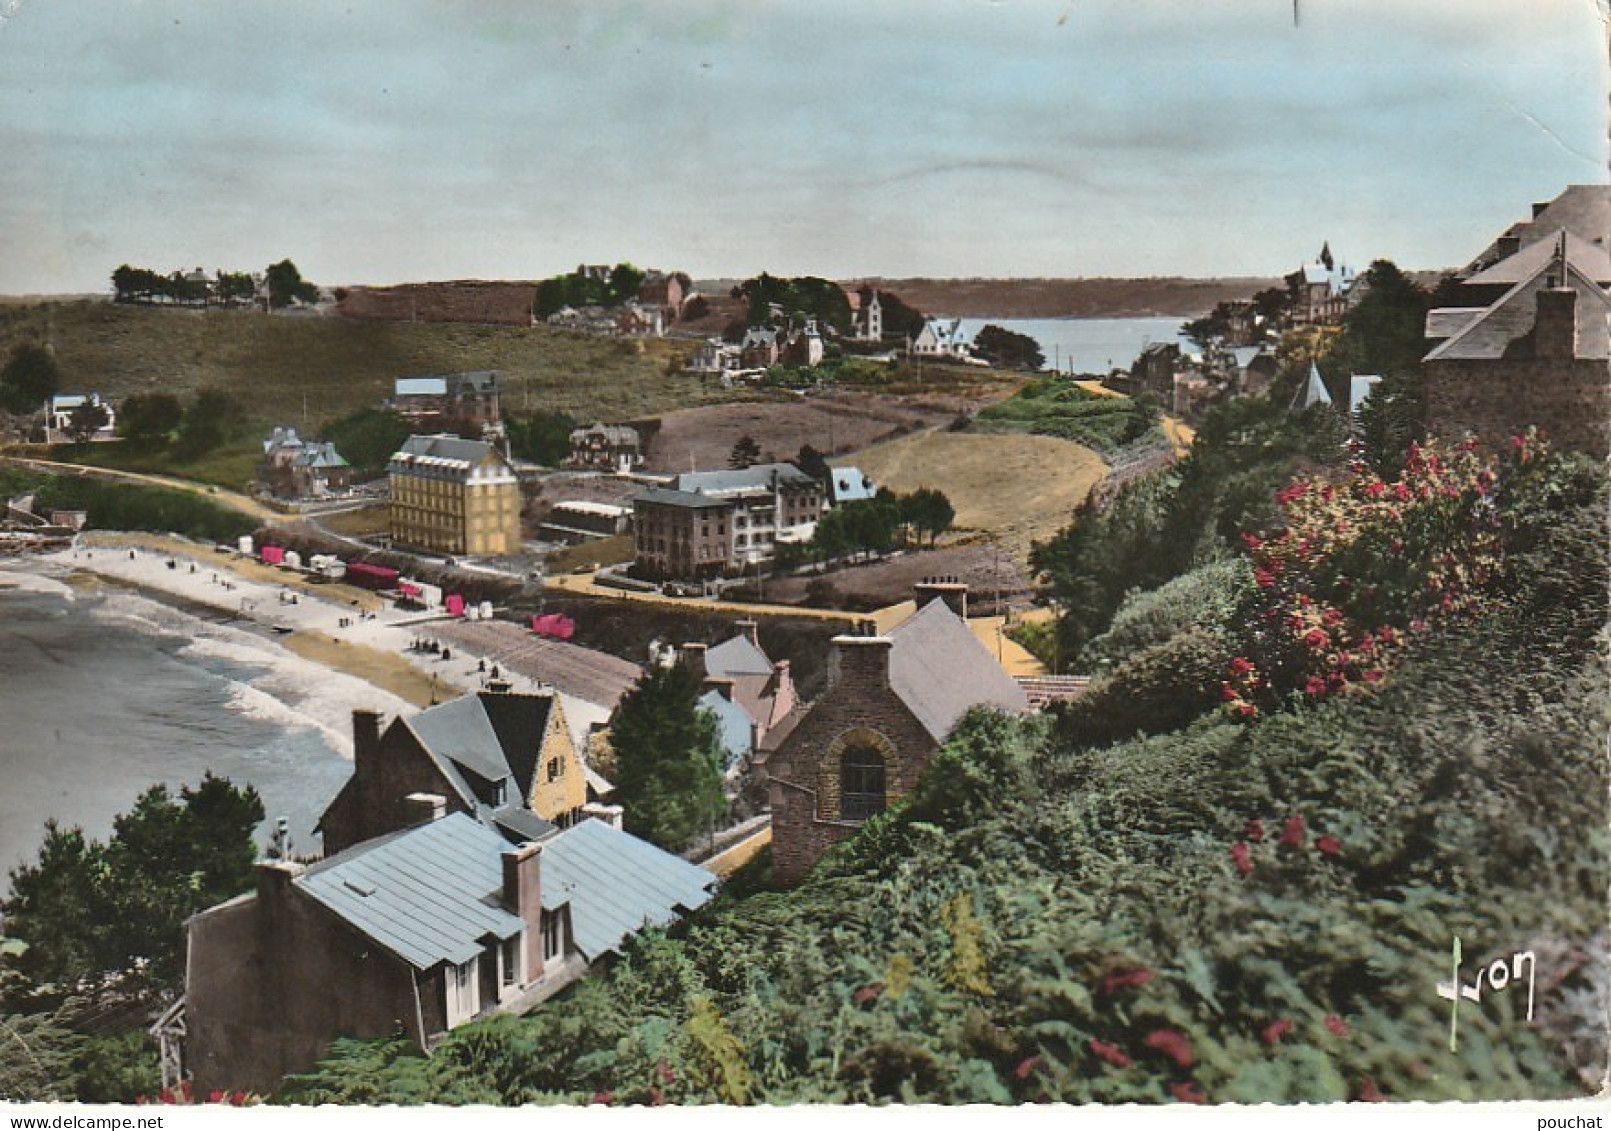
1026	1067
1138	977
1331	846
1252	542
1187	1093
663	1070
1228	694
1275	1030
1368	1093
237	1099
605	1098
1338	1027
1316	638
1292	832
1331	617
1172	1045
1263	578
1376	490
1246	710
1371	675
867	993
166	1096
1242	856
1110	1053
216	1096
1241	666
1254	831
1315	687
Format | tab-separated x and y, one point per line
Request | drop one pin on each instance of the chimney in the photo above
1507	246
365	740
863	660
722	685
1555	326
750	630
949	589
274	892
523	898
423	808
694	656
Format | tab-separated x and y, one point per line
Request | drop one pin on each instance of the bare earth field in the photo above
832	423
1019	489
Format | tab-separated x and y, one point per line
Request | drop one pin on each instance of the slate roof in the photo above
1359	387
1583	210
1592	260
940	670
320	453
1489	335
428	894
420	387
282	438
1447	321
494	737
732	725
443	456
738	656
616	885
666	497
733	481
1313	393
848	484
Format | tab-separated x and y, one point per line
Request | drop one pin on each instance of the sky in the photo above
393	140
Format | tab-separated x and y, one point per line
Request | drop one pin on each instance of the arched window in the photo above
861	783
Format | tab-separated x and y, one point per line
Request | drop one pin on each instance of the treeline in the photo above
872	527
128	506
95	930
281	284
581	288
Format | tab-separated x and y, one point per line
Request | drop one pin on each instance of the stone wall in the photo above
1569	400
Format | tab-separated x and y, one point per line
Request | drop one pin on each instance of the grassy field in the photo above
1021	489
308	370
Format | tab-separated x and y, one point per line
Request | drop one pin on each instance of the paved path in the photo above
232	499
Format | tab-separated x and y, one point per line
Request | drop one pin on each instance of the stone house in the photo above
507	758
302	469
890	703
415	934
1537	356
473	399
705	524
744	688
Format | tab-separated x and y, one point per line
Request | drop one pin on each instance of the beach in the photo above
119	672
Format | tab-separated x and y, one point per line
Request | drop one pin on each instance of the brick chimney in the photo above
862	660
523	897
423	808
365	740
750	630
722	685
694	656
950	589
1555	326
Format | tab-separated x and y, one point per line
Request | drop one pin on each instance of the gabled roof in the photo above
732	724
1313	393
940	670
616	885
320	453
496	737
1593	260
428	895
738	656
1583	210
1489	335
666	497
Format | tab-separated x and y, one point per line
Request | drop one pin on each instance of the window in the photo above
509	961
553	935
861	783
462	998
555	769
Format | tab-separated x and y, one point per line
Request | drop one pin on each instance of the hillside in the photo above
278	365
1021	489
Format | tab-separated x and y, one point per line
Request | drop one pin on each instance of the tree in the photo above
30	378
544	437
813	463
1385	332
210	420
150	416
1004	347
928	511
368	438
668	759
746	453
84	909
286	286
86	419
625	279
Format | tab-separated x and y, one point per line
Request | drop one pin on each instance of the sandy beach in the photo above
337	627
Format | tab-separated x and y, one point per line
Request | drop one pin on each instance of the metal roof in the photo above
428	895
616	885
421	387
1313	394
732	724
734	480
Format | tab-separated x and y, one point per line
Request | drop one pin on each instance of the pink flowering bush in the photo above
1362	562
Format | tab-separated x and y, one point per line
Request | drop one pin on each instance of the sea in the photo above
1088	345
105	692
